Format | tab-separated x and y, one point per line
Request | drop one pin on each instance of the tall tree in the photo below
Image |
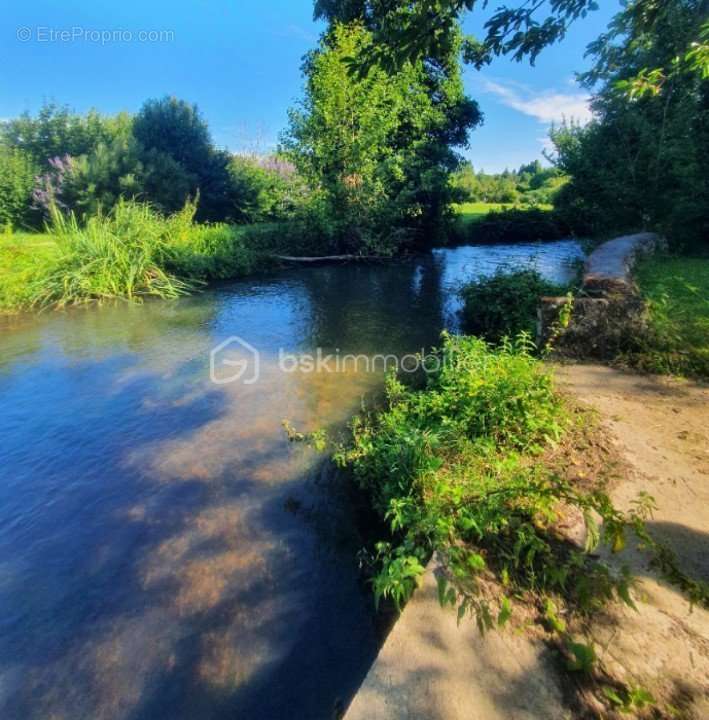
642	161
378	148
410	30
180	159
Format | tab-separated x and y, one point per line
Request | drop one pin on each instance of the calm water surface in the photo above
164	551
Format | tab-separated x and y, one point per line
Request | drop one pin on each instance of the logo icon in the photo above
234	360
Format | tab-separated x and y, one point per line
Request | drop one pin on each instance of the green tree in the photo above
180	159
411	30
266	188
378	149
57	131
642	161
17	174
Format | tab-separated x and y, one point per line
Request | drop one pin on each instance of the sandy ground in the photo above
661	428
431	668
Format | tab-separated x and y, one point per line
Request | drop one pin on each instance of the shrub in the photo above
56	131
676	337
454	469
504	304
212	252
266	189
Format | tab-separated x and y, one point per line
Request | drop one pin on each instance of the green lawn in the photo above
474	211
677	290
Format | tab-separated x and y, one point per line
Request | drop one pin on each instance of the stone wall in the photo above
608	312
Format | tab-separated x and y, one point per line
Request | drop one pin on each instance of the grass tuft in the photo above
131	253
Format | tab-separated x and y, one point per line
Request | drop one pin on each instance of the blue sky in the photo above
239	60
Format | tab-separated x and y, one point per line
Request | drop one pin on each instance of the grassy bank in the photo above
474	211
24	259
677	292
132	253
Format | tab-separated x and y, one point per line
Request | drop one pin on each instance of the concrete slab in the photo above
432	669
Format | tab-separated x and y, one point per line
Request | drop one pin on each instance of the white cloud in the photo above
545	105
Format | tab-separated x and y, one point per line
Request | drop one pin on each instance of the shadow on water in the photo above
150	562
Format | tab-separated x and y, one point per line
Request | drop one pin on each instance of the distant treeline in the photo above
531	184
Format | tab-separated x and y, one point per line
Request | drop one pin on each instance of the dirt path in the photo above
661	427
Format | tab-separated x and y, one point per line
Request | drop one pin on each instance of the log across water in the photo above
322	259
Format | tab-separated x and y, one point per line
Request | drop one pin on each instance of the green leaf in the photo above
505	611
593	536
476	561
584	656
613	696
442	584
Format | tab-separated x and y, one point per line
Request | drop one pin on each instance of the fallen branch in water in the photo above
329	258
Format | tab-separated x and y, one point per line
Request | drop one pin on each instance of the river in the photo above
165	552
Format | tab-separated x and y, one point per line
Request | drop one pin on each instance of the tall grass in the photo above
24	260
119	255
131	253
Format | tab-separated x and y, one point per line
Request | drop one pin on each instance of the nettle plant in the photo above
456	470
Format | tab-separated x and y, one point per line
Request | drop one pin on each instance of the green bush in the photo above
213	252
455	469
265	188
509	225
504	304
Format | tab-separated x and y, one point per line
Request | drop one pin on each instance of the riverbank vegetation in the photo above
131	253
369	163
378	148
505	304
516	204
483	465
640	163
517	223
529	185
363	169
